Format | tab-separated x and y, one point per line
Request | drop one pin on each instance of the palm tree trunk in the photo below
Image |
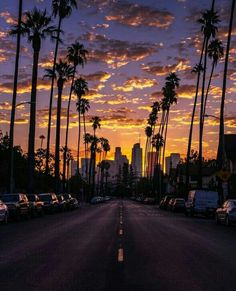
207	93
79	135
13	108
85	148
57	146
221	155
192	119
51	96
201	116
31	142
67	130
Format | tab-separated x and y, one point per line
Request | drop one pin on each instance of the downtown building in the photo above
137	160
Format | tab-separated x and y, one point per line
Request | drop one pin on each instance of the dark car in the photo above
36	205
17	204
226	213
51	203
170	204
71	201
63	205
149	200
166	201
178	205
3	212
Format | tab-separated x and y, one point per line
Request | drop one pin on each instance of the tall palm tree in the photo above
62	9
215	52
197	70
13	106
76	55
148	133
84	107
36	26
221	155
208	21
80	88
63	73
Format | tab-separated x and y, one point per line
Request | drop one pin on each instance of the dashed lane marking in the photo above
120	255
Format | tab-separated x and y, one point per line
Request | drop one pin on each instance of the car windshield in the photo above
10	198
45	197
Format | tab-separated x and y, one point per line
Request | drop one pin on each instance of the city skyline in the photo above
128	61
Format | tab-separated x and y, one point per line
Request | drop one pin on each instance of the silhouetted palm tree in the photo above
63	73
197	70
84	107
221	155
62	9
80	88
13	105
148	133
36	26
42	137
208	21
76	55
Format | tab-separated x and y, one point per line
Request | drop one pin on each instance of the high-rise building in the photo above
171	162
85	167
137	155
151	160
120	159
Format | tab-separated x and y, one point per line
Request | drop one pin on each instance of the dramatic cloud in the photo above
139	15
134	83
98	76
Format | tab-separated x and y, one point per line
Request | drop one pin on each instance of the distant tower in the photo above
137	155
117	154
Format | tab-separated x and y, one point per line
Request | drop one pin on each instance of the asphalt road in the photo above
120	245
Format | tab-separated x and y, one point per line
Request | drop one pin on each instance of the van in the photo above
201	202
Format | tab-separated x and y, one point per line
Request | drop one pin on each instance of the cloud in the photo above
157	69
186	91
117	53
8	17
130	14
134	83
98	76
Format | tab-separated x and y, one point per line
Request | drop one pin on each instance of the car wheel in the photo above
227	221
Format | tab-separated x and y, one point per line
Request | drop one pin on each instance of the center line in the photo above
120	255
121	232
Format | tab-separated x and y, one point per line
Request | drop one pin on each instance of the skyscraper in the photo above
137	156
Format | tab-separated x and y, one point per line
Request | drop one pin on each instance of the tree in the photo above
80	88
148	133
42	137
208	21
63	73
84	107
13	106
62	9
36	26
221	155
76	55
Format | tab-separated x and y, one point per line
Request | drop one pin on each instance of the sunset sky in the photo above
132	46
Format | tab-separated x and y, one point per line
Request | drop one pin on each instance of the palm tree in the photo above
36	26
80	88
13	106
221	155
215	52
208	21
62	9
197	70
76	55
84	107
63	73
148	133
42	137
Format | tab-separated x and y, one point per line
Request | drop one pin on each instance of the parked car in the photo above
201	202
165	201
178	205
72	202
62	203
50	200
170	204
36	205
17	204
3	212
149	200
139	199
226	213
96	200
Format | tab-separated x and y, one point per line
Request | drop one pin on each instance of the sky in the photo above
133	45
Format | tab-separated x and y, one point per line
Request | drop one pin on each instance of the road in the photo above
120	245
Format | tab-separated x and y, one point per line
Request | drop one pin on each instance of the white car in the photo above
3	212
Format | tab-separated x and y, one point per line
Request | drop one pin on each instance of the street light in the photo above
210	115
